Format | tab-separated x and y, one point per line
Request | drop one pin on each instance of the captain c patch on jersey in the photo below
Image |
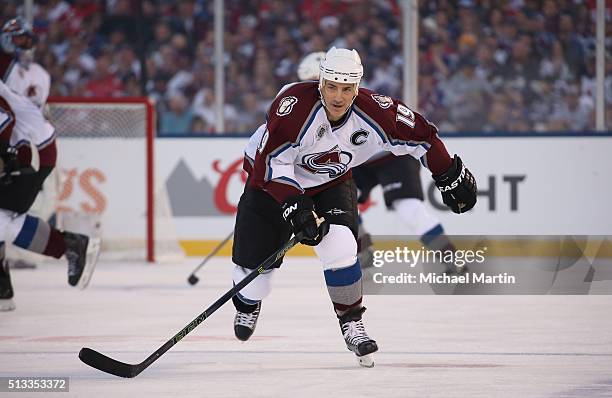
333	162
359	137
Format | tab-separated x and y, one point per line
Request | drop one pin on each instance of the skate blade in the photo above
367	361
93	252
7	305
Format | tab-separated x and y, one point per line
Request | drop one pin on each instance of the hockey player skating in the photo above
28	154
29	79
299	169
400	181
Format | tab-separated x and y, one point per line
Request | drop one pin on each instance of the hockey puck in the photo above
192	279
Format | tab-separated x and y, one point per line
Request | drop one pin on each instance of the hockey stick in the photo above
106	364
193	279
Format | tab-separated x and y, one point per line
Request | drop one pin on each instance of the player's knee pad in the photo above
338	249
258	289
414	213
10	225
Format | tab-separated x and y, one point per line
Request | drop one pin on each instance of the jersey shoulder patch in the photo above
286	105
383	100
305	92
377	108
292	108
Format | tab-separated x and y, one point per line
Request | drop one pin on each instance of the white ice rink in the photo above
430	346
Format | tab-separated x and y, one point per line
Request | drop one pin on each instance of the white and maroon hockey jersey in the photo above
32	82
298	150
25	118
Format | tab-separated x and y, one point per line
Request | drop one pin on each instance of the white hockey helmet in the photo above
342	66
308	69
14	28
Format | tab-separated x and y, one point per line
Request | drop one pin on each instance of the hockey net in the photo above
107	185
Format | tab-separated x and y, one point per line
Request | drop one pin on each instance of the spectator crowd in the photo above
484	65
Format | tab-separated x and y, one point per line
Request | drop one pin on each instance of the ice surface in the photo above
430	346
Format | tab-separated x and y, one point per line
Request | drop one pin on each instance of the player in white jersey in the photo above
28	154
31	80
299	167
400	181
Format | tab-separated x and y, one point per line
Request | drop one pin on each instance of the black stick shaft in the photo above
215	251
267	264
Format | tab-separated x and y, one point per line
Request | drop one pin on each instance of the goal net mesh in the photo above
102	188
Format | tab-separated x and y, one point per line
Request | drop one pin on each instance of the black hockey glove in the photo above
8	163
458	187
299	212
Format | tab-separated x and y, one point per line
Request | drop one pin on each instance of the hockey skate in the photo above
244	323
356	338
6	288
82	254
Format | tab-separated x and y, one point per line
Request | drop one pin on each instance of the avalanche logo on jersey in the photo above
333	162
286	106
382	100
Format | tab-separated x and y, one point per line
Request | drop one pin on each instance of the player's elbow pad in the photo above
458	187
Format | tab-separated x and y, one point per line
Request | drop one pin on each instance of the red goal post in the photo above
106	149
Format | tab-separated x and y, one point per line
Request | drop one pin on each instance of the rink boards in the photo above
528	186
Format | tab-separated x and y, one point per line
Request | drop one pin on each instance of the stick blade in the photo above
101	362
193	279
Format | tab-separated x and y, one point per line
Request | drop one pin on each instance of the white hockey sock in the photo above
422	223
258	289
338	253
415	215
